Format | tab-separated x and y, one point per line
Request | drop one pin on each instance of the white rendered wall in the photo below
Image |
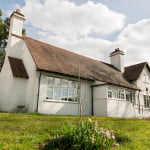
16	24
103	106
143	85
64	108
16	91
6	82
120	108
118	61
100	100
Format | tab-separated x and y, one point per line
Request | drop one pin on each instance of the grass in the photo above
27	131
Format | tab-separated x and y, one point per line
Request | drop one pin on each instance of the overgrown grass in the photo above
28	131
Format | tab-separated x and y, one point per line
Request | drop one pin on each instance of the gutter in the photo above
37	106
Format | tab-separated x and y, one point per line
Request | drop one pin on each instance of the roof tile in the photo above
57	60
17	67
133	72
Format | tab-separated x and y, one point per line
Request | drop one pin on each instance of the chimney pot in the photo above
18	10
117	49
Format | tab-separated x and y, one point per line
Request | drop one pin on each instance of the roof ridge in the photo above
136	64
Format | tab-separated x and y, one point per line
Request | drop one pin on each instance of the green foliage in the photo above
84	136
4	30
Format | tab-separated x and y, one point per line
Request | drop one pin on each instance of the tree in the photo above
4	32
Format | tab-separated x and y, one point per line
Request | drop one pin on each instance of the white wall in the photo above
64	108
100	100
103	106
143	85
120	108
16	91
16	22
117	60
6	82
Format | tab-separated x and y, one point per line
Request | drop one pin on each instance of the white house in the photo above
38	77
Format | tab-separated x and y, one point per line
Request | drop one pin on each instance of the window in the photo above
146	101
127	95
145	78
146	90
132	97
122	94
109	92
62	89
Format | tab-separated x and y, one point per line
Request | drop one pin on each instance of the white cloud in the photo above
65	18
67	25
135	40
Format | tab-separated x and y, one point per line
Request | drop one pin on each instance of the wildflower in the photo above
95	125
92	139
90	120
107	134
102	131
113	137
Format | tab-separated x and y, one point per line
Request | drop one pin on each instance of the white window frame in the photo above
75	91
146	101
121	94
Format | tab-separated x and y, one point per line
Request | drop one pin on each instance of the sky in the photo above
92	28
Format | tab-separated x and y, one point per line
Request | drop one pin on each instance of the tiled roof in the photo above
18	68
133	72
53	59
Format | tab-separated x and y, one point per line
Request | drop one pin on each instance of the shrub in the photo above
84	136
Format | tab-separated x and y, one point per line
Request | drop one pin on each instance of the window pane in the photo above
72	84
57	93
64	93
51	82
49	93
110	94
71	94
127	96
57	82
114	93
118	94
64	83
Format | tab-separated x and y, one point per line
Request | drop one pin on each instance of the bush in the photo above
84	136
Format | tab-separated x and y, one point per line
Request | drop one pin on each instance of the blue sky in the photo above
128	26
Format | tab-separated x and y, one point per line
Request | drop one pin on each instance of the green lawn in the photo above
26	131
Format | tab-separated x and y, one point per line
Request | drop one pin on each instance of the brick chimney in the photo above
117	59
16	22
